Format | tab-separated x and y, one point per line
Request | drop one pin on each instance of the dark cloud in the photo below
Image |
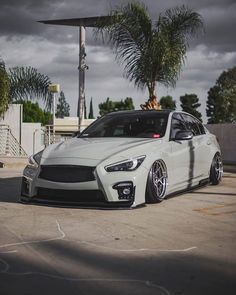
54	49
19	18
220	28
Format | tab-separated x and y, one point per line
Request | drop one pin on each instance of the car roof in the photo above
139	112
153	111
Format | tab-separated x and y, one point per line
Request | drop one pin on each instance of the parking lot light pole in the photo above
82	68
34	140
53	88
82	23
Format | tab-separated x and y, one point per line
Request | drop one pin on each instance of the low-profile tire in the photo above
156	182
216	171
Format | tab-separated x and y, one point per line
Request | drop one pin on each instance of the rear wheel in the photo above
157	182
216	171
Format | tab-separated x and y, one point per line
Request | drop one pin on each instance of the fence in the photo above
226	134
9	146
57	133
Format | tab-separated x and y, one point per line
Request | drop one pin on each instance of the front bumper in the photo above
85	198
122	189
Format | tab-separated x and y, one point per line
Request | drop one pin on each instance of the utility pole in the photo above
82	23
82	68
54	88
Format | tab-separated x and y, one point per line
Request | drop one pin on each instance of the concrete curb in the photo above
230	168
13	162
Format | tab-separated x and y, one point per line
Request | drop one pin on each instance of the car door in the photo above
195	146
204	150
181	155
200	150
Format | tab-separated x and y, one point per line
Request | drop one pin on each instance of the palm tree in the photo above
150	52
4	88
27	83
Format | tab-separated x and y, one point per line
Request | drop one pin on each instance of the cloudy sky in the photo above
53	50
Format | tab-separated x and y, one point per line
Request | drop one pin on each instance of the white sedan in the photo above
125	159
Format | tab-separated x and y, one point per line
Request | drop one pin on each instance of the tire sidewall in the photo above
213	176
151	194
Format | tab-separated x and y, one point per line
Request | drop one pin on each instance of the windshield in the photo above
141	124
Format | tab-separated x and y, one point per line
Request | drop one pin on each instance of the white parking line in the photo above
6	268
138	250
61	237
7	252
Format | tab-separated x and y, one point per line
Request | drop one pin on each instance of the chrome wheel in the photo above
216	172
218	167
157	182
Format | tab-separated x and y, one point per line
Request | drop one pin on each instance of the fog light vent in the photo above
125	190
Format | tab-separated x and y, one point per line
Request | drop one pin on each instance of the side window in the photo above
177	124
202	129
192	124
199	125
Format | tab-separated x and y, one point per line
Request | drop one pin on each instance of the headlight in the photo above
34	160
127	165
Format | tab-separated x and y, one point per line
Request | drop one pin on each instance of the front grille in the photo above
71	196
67	173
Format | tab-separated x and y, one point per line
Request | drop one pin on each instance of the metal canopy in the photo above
77	22
81	23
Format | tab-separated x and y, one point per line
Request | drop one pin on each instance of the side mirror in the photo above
183	135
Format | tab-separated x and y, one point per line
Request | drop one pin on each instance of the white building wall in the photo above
25	133
71	124
32	138
13	118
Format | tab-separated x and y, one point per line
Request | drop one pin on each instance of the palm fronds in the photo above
4	88
150	53
28	84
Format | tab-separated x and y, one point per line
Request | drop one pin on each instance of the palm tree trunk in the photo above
152	102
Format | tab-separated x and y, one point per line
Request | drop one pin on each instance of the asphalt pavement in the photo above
184	245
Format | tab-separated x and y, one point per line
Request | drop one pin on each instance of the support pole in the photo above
53	116
53	88
82	67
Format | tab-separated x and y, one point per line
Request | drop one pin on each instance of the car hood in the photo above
91	150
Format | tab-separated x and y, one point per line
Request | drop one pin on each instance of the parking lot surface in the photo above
184	245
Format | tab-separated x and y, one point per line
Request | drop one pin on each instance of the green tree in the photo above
27	84
106	107
33	113
189	104
4	88
112	106
63	108
124	105
91	115
167	102
221	101
150	53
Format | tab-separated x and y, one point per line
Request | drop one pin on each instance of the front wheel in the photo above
216	171
157	182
